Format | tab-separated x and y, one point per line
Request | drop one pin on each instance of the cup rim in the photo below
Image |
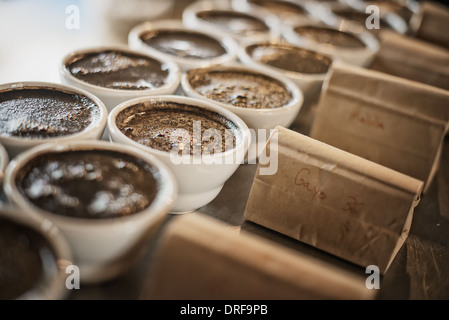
247	6
26	141
162	203
371	44
297	94
173	78
326	11
4	160
249	60
411	5
228	43
191	19
53	288
241	125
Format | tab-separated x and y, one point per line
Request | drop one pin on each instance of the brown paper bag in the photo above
200	257
431	23
412	59
335	201
393	121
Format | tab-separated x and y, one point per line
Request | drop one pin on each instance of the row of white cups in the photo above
98	246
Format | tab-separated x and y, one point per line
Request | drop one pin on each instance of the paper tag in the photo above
392	121
199	257
412	59
431	23
333	200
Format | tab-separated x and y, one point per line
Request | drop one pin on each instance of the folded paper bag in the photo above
200	257
413	59
396	122
430	23
335	201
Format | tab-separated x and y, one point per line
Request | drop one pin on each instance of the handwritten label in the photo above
367	119
301	181
353	205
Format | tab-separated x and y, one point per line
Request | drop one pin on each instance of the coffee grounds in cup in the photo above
289	58
44	113
161	125
280	7
25	257
233	21
118	70
184	43
92	184
360	18
330	36
242	89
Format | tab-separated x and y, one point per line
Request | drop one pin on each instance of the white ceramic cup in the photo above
261	121
112	97
191	18
328	13
199	180
290	14
309	83
15	145
54	261
135	42
103	248
4	160
404	9
361	57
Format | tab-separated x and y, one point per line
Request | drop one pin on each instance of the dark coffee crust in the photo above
22	253
157	125
39	113
234	21
280	7
330	36
91	184
392	6
240	88
359	17
116	69
289	58
195	45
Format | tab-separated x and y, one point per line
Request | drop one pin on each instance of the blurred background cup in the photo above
188	47
34	257
338	14
405	9
286	11
342	44
306	68
222	18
